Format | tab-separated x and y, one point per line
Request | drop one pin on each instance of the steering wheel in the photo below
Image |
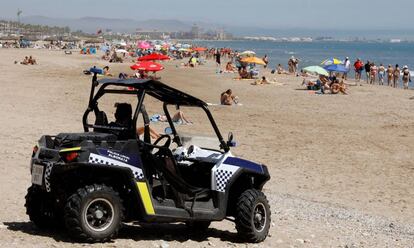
167	143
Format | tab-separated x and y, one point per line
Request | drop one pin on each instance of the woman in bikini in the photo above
373	71
396	77
381	74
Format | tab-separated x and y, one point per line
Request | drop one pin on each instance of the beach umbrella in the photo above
153	56
336	68
144	45
316	70
253	60
184	50
247	53
199	49
331	61
147	66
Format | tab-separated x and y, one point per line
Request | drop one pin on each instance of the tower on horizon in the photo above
19	12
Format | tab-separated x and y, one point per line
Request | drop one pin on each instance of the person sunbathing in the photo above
280	70
244	74
230	68
262	81
153	134
227	98
32	61
106	71
178	118
337	87
25	61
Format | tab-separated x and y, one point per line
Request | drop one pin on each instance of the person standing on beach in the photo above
374	72
368	70
406	78
217	56
381	74
359	67
396	78
347	65
390	74
266	60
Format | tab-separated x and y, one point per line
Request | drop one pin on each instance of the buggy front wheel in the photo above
253	216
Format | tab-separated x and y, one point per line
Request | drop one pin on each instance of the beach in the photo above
341	166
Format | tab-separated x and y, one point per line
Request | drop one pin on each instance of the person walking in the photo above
368	70
359	67
347	65
396	76
406	77
217	56
266	60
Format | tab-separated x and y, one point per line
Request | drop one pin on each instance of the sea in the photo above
313	53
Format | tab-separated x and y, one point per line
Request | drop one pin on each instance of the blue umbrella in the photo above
336	68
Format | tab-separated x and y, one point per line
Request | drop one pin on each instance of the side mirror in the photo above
230	142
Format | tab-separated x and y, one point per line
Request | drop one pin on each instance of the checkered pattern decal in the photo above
48	171
221	176
101	160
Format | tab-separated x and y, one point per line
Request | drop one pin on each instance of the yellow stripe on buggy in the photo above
72	149
145	197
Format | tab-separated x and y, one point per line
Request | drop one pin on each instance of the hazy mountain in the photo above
92	24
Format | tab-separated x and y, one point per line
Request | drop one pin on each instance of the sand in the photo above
342	166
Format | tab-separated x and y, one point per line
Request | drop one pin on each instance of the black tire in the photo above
198	226
41	209
94	213
253	216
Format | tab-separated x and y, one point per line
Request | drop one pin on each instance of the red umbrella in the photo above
147	66
199	49
153	56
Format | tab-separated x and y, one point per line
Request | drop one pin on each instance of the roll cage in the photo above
140	88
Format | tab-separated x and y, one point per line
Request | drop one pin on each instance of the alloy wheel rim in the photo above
99	214
259	217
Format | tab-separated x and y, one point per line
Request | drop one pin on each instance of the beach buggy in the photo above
92	182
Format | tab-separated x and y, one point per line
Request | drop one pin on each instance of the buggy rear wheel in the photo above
41	209
94	213
253	216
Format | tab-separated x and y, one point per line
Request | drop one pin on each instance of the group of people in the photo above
378	74
28	60
324	84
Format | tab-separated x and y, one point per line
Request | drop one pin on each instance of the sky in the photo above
312	14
